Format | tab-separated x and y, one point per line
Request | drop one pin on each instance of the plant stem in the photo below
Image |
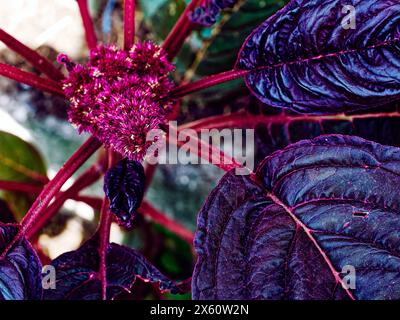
54	186
20	187
207	82
157	216
38	61
181	30
104	231
90	34
129	24
30	79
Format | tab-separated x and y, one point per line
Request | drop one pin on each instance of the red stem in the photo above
83	181
104	231
38	61
158	217
129	24
54	186
181	30
20	187
207	82
90	34
30	79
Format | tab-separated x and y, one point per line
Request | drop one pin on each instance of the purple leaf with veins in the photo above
319	205
78	277
303	59
20	268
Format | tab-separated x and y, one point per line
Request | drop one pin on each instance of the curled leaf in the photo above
320	209
78	278
307	59
20	268
124	186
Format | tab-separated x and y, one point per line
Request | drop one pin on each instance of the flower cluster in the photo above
119	96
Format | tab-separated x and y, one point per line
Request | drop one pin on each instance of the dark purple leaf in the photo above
20	269
124	186
209	12
319	205
78	277
302	58
6	215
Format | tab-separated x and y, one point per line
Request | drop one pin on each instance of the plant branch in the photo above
54	186
129	24
90	34
104	233
38	61
20	187
181	30
30	79
147	210
207	82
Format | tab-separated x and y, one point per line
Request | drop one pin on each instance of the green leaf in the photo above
161	15
20	162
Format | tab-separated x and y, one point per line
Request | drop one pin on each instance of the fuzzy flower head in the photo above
119	96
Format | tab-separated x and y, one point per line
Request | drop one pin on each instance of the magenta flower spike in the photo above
119	96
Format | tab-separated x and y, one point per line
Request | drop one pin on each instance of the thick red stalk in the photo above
83	181
181	30
207	82
38	61
104	232
90	34
129	24
157	216
54	186
30	79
